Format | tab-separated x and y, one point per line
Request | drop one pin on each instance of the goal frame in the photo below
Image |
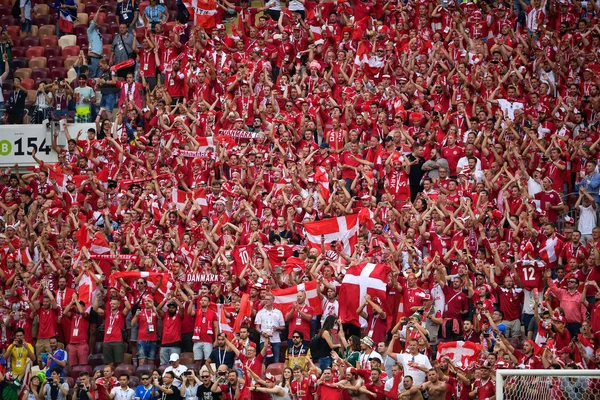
501	373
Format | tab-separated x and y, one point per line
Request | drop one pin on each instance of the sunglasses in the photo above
205	376
295	337
145	379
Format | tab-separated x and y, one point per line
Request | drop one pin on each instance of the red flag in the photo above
99	244
179	197
462	354
86	289
341	229
322	178
245	313
151	277
82	236
203	12
284	298
224	322
65	22
360	280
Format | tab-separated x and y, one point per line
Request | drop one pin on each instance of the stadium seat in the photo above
103	29
101	18
13	30
79	30
58	73
91	7
169	26
53	52
18	51
69	51
56	62
41	9
43	20
113	29
125	369
186	359
107	38
98	347
46	30
33	41
38	62
106	50
95	359
40	73
143	6
112	20
82	19
35	51
5	10
23	73
82	41
69	61
31	96
275	369
17	41
161	369
20	62
7	85
34	30
49	40
67	40
7	20
77	369
28	84
144	369
172	15
134	381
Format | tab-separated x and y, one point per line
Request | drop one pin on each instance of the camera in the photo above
187	373
221	373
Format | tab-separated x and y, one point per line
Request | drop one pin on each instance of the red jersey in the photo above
203	327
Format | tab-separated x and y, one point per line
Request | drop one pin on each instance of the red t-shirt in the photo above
113	323
48	323
148	327
171	329
204	326
485	390
113	383
297	323
79	329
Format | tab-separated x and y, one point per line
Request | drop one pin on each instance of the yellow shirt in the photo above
18	358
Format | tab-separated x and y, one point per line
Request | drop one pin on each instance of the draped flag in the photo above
284	298
86	289
360	280
342	229
462	354
203	12
153	279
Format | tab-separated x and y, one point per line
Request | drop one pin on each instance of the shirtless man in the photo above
410	392
435	388
355	385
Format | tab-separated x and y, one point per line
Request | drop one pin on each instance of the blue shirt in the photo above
94	39
143	393
60	355
154	14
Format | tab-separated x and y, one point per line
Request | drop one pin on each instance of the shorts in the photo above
108	101
113	352
146	350
202	350
26	26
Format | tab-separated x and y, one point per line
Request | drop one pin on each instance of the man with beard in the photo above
409	390
376	386
355	385
434	387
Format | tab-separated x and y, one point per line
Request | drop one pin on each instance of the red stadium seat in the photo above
143	6
70	51
41	9
35	51
82	41
107	38
80	30
56	62
91	7
40	73
53	52
7	20
32	41
18	51
27	83
47	41
103	29
58	72
113	29
69	61
17	41
43	20
13	30
5	10
106	50
95	359
77	369
7	84
112	20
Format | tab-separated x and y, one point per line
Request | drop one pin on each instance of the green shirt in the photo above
11	391
352	357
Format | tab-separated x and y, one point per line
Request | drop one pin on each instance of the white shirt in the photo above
268	321
417	375
123	394
587	220
329	308
178	372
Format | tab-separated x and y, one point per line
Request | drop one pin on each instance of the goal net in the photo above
533	384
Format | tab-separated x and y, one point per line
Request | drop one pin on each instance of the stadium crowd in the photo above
336	200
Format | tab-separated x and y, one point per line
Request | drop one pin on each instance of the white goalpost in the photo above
547	384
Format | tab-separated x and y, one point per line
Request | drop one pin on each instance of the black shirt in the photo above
204	393
416	170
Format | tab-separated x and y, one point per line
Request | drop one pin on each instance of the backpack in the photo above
16	10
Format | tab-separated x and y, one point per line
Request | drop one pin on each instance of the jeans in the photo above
276	347
165	354
108	101
93	67
325	362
